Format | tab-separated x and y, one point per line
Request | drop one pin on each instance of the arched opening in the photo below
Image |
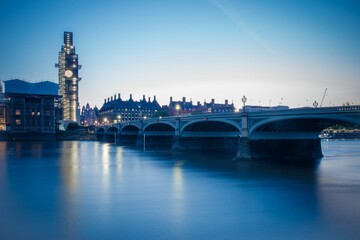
159	129
112	130
100	130
100	134
209	134
295	138
130	128
303	128
129	135
158	135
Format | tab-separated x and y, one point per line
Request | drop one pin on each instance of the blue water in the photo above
92	190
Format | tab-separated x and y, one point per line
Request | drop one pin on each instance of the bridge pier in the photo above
243	149
175	143
294	149
140	140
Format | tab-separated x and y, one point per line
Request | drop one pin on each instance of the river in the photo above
94	190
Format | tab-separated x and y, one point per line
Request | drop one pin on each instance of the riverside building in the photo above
184	108
3	109
30	106
116	110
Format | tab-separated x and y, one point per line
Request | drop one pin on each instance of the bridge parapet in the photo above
308	110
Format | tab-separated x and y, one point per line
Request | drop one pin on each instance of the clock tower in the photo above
69	80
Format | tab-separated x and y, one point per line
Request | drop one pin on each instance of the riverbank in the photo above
58	136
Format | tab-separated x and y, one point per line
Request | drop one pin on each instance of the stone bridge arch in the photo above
293	127
130	128
211	128
159	128
100	130
112	130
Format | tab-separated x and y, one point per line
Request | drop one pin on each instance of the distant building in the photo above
89	116
69	80
116	110
183	107
3	109
31	106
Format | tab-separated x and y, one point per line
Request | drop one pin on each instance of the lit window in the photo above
18	122
17	112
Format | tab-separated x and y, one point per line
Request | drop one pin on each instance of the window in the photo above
17	112
18	122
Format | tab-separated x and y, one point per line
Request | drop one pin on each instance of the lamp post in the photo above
244	99
177	108
315	104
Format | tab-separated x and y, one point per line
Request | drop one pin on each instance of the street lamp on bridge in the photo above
315	104
244	99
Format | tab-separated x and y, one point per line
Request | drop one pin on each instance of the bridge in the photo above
292	133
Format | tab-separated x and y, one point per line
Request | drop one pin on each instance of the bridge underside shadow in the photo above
128	135
209	135
290	139
157	136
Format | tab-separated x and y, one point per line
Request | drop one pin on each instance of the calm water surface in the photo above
92	190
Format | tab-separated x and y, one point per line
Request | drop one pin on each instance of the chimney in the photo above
111	98
212	100
108	99
171	99
226	102
198	103
130	97
115	96
144	98
184	99
154	98
149	99
119	96
105	100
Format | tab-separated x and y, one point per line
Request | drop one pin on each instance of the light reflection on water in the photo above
92	190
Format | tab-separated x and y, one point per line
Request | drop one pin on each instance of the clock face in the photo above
68	73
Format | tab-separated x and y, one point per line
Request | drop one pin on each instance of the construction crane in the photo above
322	100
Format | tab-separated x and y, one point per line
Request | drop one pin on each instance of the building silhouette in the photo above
3	108
69	80
116	110
183	107
89	116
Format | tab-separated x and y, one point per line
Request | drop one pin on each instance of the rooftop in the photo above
17	86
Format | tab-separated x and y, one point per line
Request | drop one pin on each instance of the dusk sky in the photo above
267	50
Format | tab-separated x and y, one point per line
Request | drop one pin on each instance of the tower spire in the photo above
69	80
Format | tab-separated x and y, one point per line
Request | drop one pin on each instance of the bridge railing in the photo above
355	108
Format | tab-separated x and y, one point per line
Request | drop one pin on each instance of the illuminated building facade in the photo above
89	116
116	110
31	107
69	80
184	108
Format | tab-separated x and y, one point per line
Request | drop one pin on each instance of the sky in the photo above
272	51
